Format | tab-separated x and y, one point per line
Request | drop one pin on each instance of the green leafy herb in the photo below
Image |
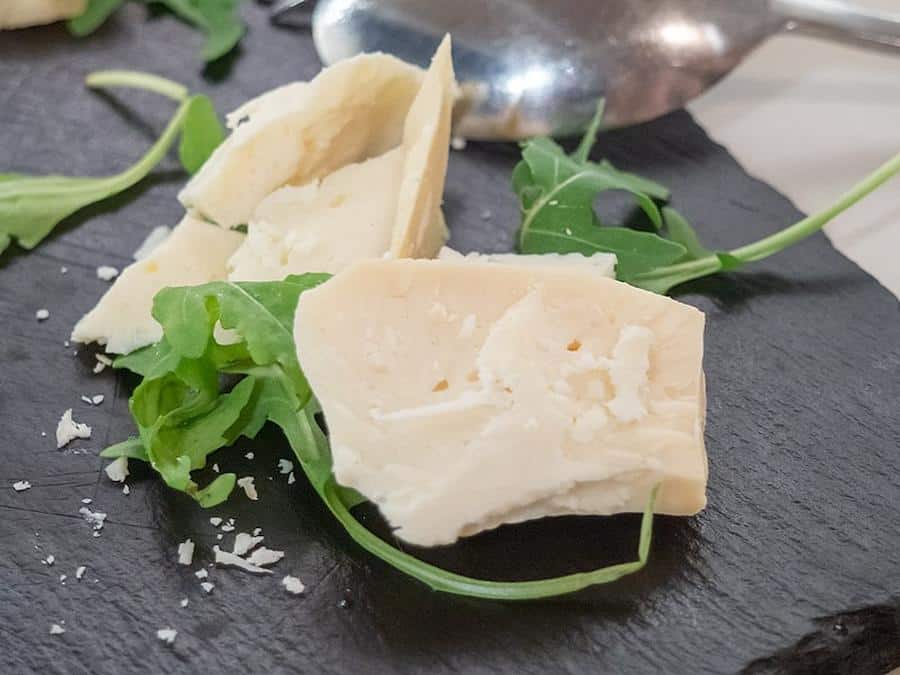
184	413
31	206
557	193
217	19
95	15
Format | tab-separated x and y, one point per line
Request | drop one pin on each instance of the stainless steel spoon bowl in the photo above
530	67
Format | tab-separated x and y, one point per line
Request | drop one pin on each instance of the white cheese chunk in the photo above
247	485
21	485
293	585
117	470
107	273
56	629
67	430
569	393
195	253
167	635
24	13
243	543
419	229
186	552
603	264
226	558
386	204
350	112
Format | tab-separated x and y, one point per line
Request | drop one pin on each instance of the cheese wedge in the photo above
350	112
461	395
195	253
387	204
24	13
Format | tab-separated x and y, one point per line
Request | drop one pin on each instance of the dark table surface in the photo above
803	365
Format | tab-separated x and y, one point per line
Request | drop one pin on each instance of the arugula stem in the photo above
788	236
448	582
136	80
138	171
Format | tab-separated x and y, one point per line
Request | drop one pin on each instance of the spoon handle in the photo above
841	21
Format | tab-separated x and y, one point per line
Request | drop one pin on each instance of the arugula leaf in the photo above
202	133
557	192
32	206
183	416
217	19
181	410
95	15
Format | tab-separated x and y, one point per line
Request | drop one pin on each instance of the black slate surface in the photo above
803	364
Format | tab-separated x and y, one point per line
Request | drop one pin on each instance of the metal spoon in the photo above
533	67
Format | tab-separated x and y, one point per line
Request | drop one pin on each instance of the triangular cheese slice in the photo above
460	395
390	204
419	229
195	253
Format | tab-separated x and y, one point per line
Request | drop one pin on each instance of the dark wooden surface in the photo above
803	363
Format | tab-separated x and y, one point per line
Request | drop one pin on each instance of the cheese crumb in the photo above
249	455
97	399
226	558
79	573
458	143
216	468
186	552
56	629
291	479
21	486
49	560
293	585
117	471
184	602
201	574
86	500
285	466
167	635
102	362
62	578
257	531
95	518
63	270
207	587
215	521
228	527
107	273
68	430
265	556
42	315
244	542
156	237
246	483
126	490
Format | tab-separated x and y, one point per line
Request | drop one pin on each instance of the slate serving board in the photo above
803	364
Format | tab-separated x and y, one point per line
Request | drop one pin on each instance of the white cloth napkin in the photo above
811	118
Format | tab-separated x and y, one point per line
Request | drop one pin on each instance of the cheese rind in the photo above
195	253
25	13
567	393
